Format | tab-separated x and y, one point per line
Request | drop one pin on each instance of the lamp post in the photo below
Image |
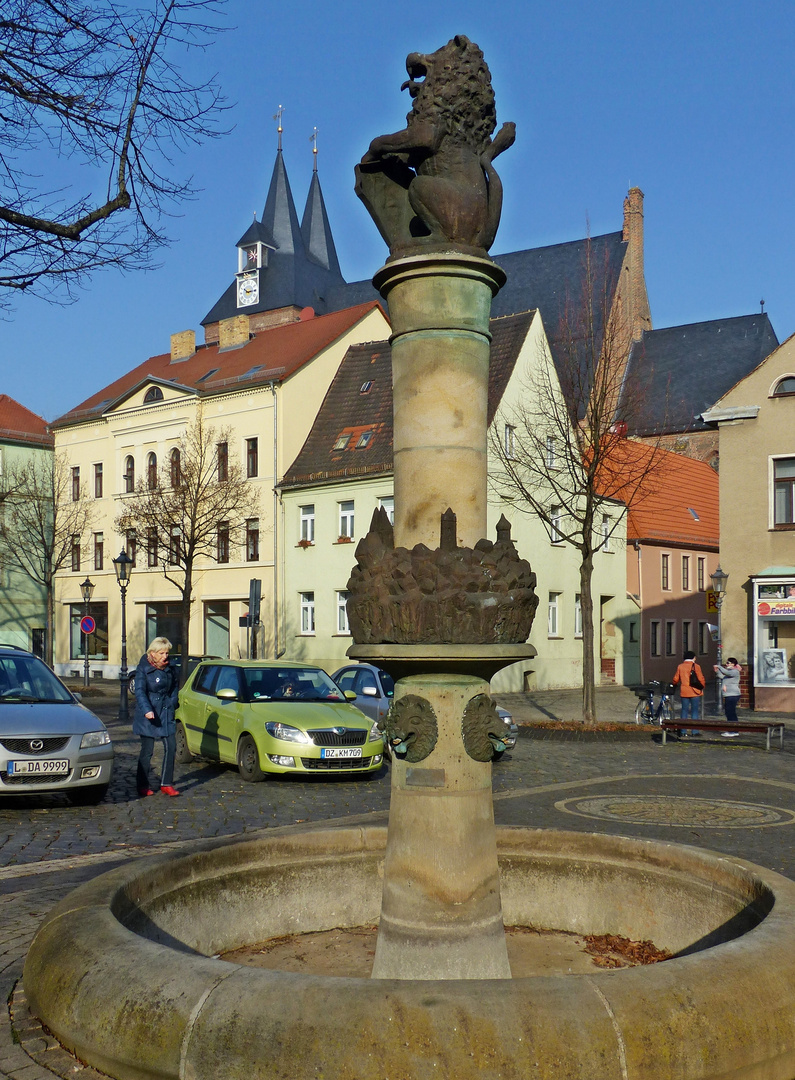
87	591
719	578
123	565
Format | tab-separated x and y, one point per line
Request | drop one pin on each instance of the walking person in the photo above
729	674
690	679
156	696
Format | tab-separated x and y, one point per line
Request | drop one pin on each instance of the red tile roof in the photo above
270	356
678	501
18	424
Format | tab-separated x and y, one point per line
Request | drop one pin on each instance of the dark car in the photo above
49	741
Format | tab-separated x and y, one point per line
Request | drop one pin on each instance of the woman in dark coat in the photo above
156	697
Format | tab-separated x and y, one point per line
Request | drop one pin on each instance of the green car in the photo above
272	717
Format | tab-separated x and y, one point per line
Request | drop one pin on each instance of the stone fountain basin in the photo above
122	970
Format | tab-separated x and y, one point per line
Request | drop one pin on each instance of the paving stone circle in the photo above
677	811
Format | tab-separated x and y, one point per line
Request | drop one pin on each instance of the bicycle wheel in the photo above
643	712
665	712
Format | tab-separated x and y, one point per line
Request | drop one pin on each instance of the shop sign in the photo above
776	608
712	600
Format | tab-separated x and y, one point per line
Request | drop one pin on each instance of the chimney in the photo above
637	299
183	345
233	331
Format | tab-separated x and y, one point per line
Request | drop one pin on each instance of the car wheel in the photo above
131	684
248	760
88	796
183	756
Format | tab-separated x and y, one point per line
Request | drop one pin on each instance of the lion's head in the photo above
410	728
455	87
482	728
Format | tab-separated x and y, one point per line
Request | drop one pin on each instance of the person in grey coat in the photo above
729	674
156	697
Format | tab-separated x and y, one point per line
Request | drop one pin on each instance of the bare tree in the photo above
195	508
94	90
46	518
561	451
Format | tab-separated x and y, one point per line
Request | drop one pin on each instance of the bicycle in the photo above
646	712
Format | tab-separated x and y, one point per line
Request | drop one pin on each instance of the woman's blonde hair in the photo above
159	644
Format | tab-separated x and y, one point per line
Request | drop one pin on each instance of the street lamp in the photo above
123	565
87	591
719	578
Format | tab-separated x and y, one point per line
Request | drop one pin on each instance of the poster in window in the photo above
774	665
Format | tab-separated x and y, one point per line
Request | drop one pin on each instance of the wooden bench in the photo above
766	727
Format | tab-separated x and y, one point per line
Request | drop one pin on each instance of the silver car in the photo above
48	741
374	689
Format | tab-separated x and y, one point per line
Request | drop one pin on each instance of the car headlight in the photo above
507	719
94	738
375	733
286	732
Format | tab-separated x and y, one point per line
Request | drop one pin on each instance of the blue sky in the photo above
693	103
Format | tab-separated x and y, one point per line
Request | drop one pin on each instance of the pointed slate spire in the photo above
316	231
279	216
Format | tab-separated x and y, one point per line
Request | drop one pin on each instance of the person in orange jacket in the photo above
689	695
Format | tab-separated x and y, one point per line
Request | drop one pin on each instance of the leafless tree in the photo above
45	522
561	452
196	508
93	106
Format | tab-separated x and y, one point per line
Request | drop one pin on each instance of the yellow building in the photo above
756	424
262	390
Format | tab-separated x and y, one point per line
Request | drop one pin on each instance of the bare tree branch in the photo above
97	84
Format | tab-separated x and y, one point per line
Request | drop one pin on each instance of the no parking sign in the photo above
87	625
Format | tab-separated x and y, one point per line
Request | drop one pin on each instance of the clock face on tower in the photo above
247	290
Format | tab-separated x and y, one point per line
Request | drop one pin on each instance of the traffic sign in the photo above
87	625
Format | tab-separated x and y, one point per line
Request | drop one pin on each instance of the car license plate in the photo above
48	765
341	752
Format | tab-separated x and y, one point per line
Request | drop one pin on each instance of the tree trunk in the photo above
588	659
187	591
49	647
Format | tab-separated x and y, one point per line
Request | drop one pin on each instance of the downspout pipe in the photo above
277	651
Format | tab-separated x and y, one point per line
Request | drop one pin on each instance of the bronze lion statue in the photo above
482	729
432	186
410	728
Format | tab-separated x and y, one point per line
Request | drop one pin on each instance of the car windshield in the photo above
290	684
26	678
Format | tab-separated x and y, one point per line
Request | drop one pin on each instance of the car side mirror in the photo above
349	695
369	691
227	694
77	696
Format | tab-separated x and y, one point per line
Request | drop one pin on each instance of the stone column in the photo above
441	913
439	305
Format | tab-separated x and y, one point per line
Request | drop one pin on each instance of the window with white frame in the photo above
307	613
307	524
784	491
252	540
556	524
553	626
509	440
99	551
578	615
607	532
388	503
654	637
346	518
550	455
342	612
670	637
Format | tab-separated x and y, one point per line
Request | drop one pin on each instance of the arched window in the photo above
129	474
785	386
154	393
151	471
176	472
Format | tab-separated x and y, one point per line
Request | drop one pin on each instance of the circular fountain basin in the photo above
123	969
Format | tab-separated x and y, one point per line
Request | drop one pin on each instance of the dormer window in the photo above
364	440
366	387
207	375
251	257
154	393
342	442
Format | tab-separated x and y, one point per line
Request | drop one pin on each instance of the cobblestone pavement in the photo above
728	795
